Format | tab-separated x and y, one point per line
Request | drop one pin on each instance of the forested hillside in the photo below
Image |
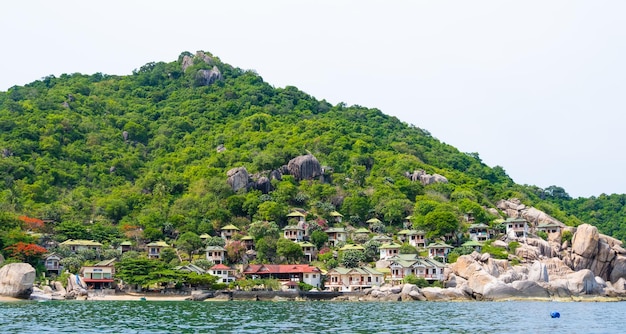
146	155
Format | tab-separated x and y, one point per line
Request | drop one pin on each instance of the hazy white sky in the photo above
537	87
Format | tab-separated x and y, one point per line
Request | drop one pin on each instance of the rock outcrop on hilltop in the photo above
16	280
424	178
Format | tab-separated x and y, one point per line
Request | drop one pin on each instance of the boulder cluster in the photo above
304	167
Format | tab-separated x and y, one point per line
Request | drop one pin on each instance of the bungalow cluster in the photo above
390	265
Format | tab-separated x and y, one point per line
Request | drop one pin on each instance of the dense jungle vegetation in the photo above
118	157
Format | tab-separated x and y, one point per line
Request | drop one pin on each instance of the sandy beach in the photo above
10	299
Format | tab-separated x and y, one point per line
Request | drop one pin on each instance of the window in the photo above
314	276
306	275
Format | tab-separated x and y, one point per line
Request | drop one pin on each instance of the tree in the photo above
72	263
168	254
352	258
291	251
215	241
266	250
190	243
137	271
319	238
235	250
439	223
260	229
29	253
407	249
371	249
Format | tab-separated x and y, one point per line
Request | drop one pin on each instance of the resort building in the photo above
412	237
335	235
439	250
293	233
100	275
224	273
285	272
479	232
309	250
353	279
336	216
248	242
215	254
228	231
519	226
477	246
80	245
412	264
549	228
388	251
51	262
155	248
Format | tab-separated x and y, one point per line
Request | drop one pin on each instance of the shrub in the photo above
566	235
543	235
419	281
304	286
513	246
496	253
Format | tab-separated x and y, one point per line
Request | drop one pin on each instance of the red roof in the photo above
280	269
220	267
96	280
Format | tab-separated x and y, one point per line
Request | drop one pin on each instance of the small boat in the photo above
142	299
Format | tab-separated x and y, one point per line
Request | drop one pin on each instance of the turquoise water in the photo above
309	317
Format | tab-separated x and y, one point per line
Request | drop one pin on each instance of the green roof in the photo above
389	246
230	227
362	230
359	270
472	243
305	244
296	214
105	263
514	220
373	220
292	227
546	225
126	243
204	236
351	246
215	248
247	237
336	214
480	225
336	230
439	245
71	242
381	237
158	244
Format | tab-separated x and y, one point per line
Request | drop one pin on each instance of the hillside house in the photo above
52	264
414	238
155	248
388	251
309	250
293	233
336	216
80	245
519	226
439	250
335	235
215	254
228	231
479	232
297	216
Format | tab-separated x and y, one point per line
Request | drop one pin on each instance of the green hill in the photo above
105	155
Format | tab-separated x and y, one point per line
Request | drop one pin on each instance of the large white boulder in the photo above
16	280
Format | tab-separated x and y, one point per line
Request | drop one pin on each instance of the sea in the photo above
310	317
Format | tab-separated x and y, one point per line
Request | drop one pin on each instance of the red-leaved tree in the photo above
29	253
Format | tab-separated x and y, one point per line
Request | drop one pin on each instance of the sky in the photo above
537	87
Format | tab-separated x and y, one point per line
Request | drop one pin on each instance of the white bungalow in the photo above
353	279
388	251
293	233
297	216
337	217
335	235
411	264
309	250
215	254
224	273
414	238
519	226
439	250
